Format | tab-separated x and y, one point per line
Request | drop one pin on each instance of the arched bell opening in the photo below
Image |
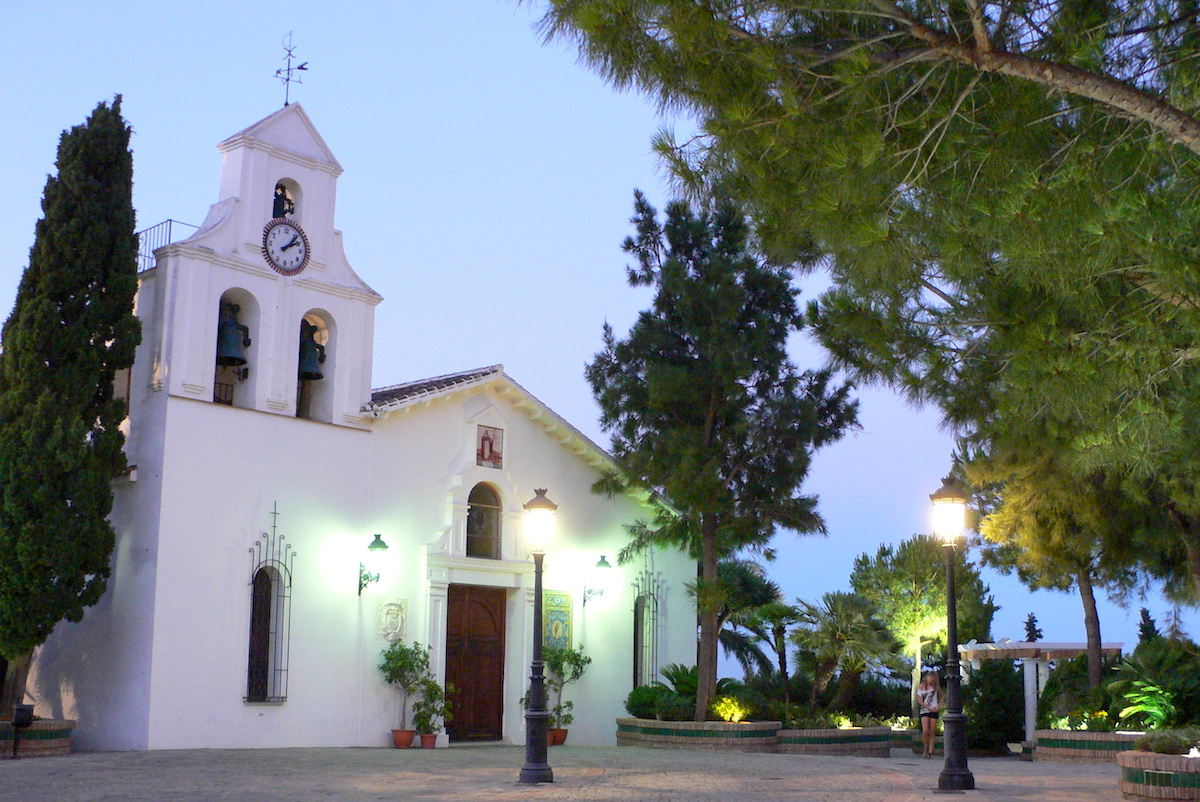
285	201
236	349
315	367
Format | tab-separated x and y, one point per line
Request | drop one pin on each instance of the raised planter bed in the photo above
1081	745
745	736
1148	775
861	741
43	738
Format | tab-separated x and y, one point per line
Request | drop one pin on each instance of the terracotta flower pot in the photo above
428	740
402	739
556	736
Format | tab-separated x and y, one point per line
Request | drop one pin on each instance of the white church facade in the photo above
239	612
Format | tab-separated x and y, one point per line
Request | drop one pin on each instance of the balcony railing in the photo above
155	237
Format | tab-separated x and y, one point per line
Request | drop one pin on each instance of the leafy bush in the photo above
994	701
815	719
880	698
1068	703
729	708
678	700
673	707
1169	742
1159	684
642	701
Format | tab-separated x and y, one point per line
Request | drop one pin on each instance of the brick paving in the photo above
582	774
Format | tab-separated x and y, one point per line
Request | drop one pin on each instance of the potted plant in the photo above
431	711
564	665
406	667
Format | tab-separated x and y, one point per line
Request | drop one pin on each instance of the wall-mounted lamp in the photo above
365	577
598	578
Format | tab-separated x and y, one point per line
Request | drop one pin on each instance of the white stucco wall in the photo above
161	661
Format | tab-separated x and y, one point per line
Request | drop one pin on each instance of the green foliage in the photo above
907	585
844	636
676	698
1147	629
1033	632
1067	701
432	708
71	329
406	667
730	708
745	596
1170	742
1159	684
994	701
643	700
673	707
1005	199
704	406
564	665
1148	704
880	698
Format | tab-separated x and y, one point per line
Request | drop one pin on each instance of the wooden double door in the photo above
475	661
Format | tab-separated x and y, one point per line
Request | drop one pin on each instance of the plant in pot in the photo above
406	667
431	711
564	665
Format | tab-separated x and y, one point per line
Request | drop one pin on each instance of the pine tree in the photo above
1033	633
704	405
70	330
1006	203
1147	628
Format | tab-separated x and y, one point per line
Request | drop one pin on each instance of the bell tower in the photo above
259	308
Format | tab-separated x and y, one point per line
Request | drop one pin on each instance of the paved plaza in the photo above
490	773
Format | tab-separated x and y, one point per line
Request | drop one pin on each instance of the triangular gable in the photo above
289	130
412	395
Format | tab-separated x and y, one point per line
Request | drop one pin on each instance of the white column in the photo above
1029	673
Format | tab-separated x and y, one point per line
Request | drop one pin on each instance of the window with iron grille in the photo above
270	617
648	585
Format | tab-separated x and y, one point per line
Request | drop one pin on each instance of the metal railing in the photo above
157	236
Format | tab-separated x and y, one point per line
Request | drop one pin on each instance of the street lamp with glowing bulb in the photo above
539	528
949	521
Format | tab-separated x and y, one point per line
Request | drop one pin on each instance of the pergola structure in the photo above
1035	657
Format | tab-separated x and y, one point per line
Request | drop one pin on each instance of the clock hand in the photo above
290	244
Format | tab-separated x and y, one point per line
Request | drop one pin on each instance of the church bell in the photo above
232	337
312	353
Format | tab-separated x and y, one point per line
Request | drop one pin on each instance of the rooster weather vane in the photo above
289	74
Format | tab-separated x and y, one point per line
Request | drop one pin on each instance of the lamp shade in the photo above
539	520
374	558
949	510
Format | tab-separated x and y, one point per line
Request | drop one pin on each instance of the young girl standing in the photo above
929	702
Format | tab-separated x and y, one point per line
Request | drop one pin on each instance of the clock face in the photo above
285	247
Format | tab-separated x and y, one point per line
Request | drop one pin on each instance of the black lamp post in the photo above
949	518
539	526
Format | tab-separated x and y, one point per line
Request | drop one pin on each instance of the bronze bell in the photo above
232	337
312	353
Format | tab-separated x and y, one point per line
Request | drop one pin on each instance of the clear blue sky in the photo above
488	184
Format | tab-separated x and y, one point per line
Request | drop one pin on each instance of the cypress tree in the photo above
71	329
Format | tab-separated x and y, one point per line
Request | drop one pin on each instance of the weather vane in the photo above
288	74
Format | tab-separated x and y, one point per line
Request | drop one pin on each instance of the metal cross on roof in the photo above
288	74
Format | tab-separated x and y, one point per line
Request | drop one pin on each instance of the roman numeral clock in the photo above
285	246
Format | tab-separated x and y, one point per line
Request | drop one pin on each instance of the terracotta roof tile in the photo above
386	396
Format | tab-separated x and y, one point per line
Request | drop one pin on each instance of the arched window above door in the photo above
483	522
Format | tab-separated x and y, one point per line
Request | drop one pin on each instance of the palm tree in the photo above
743	587
843	635
769	624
